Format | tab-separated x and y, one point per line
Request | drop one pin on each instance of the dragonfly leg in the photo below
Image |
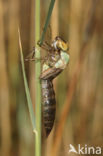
45	47
34	59
31	54
47	44
43	59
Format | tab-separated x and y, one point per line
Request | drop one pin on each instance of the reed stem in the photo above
37	81
38	71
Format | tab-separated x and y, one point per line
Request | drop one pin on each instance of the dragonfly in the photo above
53	64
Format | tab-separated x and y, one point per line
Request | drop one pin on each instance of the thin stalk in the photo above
38	71
37	81
47	21
30	106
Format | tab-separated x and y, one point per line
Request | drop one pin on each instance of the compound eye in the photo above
63	46
57	38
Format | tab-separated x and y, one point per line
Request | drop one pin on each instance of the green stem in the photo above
37	82
47	21
38	71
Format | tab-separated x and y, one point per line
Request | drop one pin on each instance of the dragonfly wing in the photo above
50	73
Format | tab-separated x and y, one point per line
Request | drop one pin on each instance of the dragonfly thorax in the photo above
53	58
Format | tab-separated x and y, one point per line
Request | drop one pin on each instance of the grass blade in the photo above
32	117
47	21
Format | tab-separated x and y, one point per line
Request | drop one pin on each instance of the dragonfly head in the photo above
60	44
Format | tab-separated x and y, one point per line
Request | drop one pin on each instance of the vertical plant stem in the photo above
38	71
37	81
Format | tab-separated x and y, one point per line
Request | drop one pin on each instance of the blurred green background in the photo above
79	89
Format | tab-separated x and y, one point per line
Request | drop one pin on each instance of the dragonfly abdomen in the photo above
49	104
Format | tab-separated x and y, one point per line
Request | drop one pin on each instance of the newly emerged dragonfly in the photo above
54	63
